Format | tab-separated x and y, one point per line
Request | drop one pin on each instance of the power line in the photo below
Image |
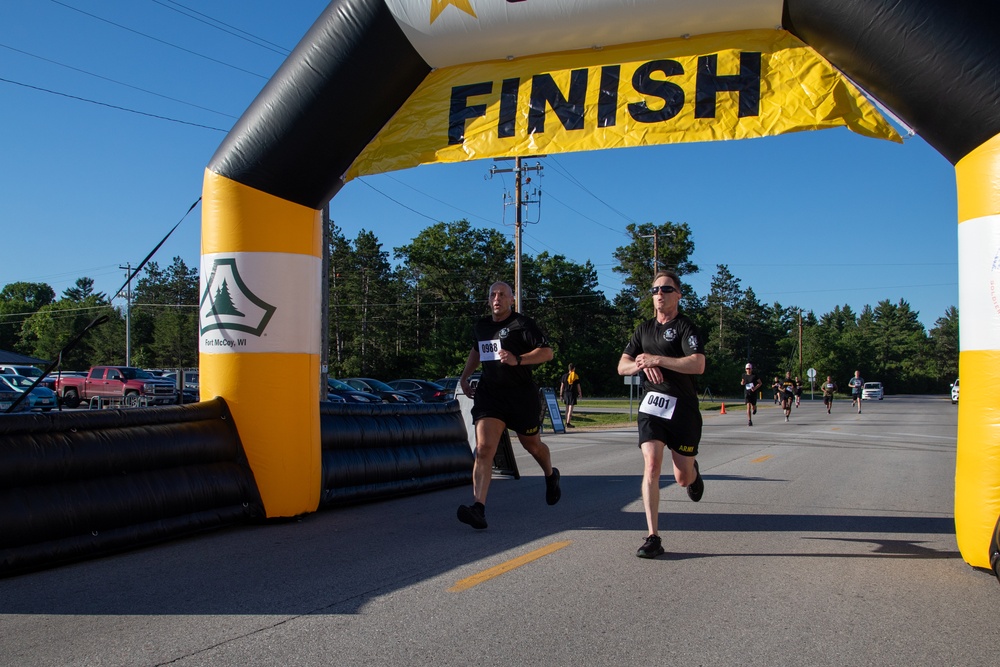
573	179
396	201
120	83
161	41
223	26
111	106
586	217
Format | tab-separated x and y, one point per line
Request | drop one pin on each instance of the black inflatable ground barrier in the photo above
76	485
382	450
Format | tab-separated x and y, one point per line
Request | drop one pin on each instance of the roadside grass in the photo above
583	418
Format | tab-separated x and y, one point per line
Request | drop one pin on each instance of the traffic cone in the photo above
723	410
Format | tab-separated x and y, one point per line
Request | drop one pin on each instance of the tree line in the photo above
413	317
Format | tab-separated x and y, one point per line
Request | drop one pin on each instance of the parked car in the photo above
429	392
50	379
130	385
954	392
871	391
26	371
190	378
191	391
41	398
7	398
388	394
338	391
451	383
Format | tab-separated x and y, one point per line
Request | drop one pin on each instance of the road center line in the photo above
486	575
761	459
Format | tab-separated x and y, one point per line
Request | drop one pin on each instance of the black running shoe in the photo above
552	492
474	515
697	488
651	548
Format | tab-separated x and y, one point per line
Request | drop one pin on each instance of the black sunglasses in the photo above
663	289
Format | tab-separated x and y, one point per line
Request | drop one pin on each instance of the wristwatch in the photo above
518	356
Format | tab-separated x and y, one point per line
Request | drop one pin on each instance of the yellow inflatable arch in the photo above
378	85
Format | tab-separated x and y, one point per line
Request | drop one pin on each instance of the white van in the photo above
871	391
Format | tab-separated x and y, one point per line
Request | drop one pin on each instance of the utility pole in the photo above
656	260
519	202
128	312
800	343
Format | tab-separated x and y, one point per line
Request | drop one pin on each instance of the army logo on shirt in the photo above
669	335
693	342
503	333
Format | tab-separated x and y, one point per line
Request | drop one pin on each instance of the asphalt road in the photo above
825	541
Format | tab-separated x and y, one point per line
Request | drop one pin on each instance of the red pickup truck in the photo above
132	386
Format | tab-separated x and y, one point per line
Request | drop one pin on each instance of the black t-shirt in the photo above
750	381
788	386
517	334
677	338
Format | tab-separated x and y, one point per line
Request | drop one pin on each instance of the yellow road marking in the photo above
486	575
761	459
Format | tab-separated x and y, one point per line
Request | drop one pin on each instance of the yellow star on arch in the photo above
438	6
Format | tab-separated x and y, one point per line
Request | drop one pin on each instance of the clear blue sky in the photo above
813	220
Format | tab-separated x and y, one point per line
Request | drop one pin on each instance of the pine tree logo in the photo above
223	303
227	304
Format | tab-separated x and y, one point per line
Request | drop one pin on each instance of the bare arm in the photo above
650	364
537	356
471	364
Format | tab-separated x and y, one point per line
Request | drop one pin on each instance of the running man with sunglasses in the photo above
669	351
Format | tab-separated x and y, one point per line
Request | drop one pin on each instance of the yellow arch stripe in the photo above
247	220
279	429
978	182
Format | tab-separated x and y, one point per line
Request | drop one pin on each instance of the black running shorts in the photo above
518	407
681	433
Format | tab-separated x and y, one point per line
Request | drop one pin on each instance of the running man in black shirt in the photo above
787	394
751	385
507	344
669	352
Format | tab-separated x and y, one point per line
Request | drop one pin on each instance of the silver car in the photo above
40	398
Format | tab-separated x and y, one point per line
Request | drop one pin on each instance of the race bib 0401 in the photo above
658	405
489	350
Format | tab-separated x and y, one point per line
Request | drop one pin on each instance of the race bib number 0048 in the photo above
658	405
489	350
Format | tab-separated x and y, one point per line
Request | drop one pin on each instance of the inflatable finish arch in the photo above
378	85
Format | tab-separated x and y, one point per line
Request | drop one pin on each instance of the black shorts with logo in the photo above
517	407
681	433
